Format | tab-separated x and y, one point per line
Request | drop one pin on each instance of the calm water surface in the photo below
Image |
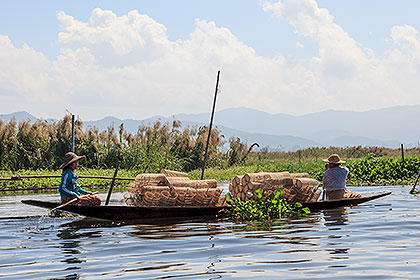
376	240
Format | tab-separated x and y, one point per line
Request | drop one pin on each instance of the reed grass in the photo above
39	148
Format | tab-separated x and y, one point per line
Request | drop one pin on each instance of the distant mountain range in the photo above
388	127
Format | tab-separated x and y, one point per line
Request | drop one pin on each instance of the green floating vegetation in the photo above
414	191
383	171
51	184
61	214
259	208
367	171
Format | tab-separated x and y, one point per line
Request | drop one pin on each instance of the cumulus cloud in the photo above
23	71
351	74
127	67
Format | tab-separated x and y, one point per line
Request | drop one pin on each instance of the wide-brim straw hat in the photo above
69	158
334	158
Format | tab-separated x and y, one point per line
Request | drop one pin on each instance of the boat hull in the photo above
329	204
116	212
131	213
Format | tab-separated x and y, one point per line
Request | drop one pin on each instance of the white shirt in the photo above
335	178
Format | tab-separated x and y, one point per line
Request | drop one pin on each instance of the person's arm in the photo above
83	191
347	171
80	189
326	180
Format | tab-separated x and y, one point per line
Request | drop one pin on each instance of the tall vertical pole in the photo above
402	152
108	197
211	123
415	183
72	133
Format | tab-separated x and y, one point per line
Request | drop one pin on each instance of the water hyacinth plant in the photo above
259	209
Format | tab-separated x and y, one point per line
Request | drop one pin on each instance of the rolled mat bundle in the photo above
297	187
299	175
171	173
279	178
171	189
151	179
196	184
305	190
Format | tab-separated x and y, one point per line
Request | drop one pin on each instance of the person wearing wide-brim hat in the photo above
69	188
334	180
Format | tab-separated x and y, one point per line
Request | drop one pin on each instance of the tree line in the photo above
43	144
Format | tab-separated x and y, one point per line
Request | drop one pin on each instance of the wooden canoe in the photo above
125	213
328	204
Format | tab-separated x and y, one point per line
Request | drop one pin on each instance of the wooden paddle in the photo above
70	202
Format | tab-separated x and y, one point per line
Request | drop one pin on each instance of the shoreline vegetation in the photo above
38	149
367	171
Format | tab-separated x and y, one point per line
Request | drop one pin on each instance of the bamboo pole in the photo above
108	197
211	123
29	189
402	153
415	184
17	177
72	133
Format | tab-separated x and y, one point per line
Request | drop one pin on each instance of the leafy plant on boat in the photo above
259	208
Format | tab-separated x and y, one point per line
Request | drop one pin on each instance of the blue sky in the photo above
244	18
270	58
369	22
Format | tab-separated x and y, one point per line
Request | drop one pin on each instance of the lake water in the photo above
376	240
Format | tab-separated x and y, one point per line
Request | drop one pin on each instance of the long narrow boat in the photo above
328	204
125	213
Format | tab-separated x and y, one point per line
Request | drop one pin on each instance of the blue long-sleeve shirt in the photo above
335	178
69	187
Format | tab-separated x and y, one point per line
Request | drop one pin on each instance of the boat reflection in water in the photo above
336	220
143	247
335	217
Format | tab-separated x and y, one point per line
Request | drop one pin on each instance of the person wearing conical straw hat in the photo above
334	180
69	188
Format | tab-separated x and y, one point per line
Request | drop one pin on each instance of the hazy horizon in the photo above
388	127
207	112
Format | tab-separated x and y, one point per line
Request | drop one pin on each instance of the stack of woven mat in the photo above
298	187
171	188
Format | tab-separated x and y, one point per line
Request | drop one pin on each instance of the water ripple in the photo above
376	240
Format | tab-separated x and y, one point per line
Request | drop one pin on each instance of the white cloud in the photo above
351	75
123	34
127	67
23	71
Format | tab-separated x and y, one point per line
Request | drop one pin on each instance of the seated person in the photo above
69	188
334	180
